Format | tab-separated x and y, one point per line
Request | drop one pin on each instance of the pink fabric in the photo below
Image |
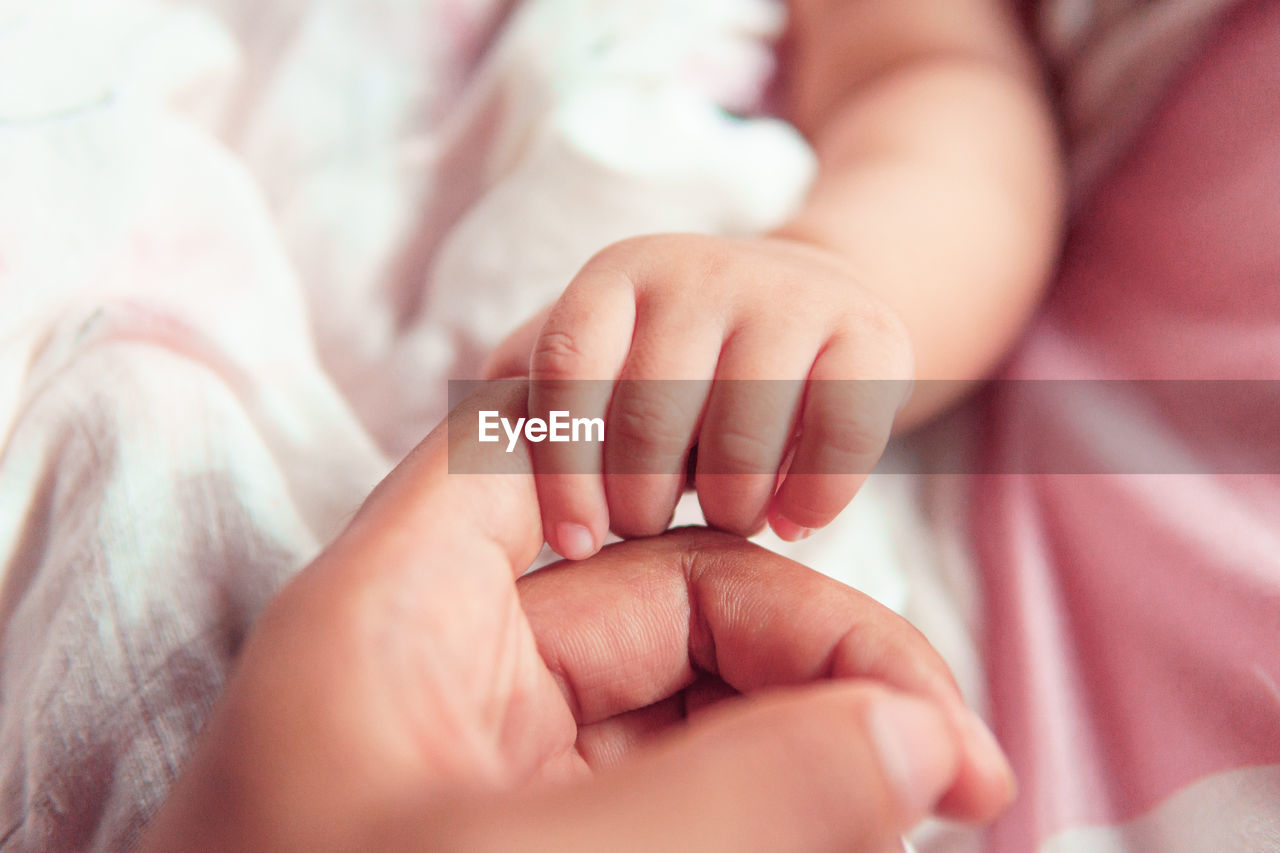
1133	622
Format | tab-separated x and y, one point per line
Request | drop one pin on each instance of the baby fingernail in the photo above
916	752
575	541
993	756
789	531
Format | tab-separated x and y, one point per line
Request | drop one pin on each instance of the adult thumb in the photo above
836	766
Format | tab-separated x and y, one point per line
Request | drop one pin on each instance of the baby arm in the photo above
918	254
939	170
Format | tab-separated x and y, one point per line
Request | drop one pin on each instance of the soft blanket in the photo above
243	246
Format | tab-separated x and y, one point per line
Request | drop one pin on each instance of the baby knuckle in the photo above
738	451
891	335
616	261
624	248
650	423
557	356
719	260
851	437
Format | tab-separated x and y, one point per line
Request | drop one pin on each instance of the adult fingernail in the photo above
916	751
575	541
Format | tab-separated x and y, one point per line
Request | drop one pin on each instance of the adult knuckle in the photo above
702	549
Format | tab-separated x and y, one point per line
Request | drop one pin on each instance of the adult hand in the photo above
406	691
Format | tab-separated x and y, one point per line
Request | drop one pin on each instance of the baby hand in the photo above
672	324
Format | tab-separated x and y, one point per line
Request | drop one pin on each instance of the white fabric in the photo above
1226	811
242	247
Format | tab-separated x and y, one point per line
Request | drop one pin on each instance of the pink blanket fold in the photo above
1132	625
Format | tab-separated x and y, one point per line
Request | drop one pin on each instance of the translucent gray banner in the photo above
1076	426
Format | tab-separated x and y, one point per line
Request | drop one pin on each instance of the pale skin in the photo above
395	697
919	254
